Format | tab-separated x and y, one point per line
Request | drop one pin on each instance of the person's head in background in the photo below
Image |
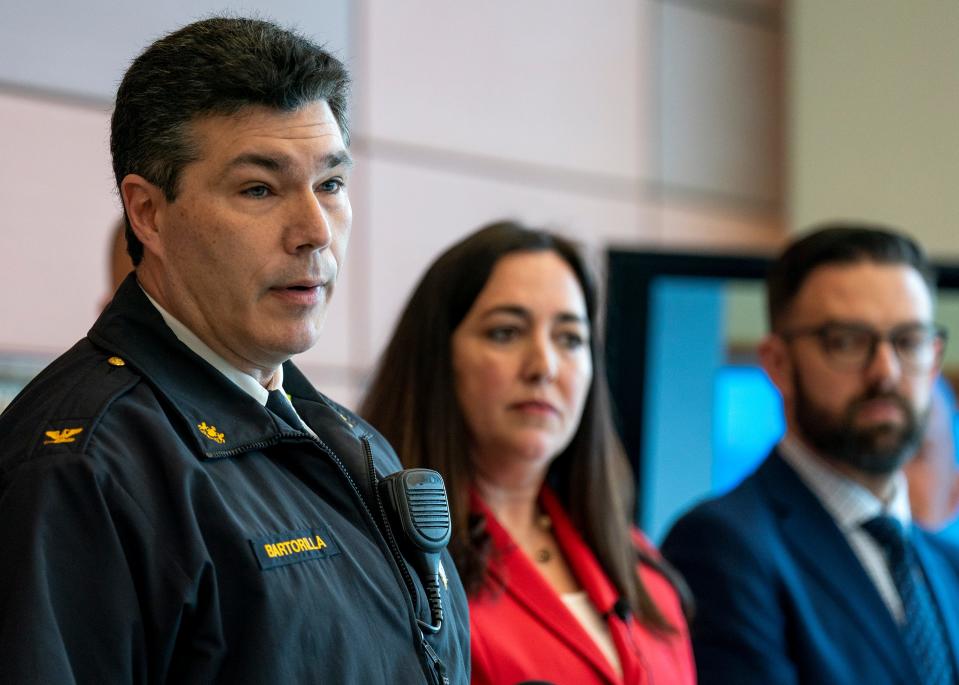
494	377
118	261
853	348
229	142
933	473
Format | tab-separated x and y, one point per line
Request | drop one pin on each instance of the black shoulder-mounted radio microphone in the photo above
416	501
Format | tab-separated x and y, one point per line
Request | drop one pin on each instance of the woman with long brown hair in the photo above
494	378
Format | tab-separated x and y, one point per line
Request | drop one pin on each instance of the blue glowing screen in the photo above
747	422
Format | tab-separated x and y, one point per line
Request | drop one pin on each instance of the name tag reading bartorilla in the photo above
292	547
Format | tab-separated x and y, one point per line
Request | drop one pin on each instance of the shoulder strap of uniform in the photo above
70	421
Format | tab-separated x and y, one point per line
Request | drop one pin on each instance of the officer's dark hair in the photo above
412	401
837	243
216	66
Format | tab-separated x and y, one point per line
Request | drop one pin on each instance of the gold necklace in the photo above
544	523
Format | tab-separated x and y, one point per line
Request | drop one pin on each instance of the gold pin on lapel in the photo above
212	433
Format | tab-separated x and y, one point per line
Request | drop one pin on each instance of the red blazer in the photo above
521	630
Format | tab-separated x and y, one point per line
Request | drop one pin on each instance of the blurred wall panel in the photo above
83	48
873	112
549	83
58	207
719	105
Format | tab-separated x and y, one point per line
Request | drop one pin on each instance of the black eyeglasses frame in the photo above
938	335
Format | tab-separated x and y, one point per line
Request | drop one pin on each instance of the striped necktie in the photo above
922	627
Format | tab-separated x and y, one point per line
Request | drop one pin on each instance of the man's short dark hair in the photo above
216	66
838	243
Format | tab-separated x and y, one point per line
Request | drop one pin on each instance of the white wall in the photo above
81	49
57	200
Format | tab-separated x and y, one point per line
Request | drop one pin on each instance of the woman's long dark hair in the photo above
412	401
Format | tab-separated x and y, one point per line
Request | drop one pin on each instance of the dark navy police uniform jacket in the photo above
157	524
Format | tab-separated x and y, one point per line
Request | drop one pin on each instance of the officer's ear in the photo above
145	204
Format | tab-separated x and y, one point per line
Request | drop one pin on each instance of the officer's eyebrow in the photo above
341	158
280	163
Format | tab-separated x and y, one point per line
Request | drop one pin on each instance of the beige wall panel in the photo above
875	101
83	48
58	208
734	7
551	83
416	213
708	229
719	105
768	5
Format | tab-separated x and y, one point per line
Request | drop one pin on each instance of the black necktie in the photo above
280	405
922	628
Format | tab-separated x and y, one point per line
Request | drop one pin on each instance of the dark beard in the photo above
878	450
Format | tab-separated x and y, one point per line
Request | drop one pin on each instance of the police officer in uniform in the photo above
177	502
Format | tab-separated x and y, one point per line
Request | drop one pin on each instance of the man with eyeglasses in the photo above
811	571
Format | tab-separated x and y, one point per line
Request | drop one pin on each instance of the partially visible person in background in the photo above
494	378
118	261
932	473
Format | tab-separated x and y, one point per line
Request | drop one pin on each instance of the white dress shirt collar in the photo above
245	381
848	502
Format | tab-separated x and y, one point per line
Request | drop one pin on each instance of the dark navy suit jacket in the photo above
782	598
